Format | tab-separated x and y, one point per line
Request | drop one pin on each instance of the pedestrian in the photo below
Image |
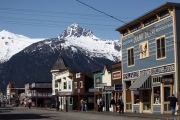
85	105
29	104
82	104
112	104
101	104
98	106
173	100
121	105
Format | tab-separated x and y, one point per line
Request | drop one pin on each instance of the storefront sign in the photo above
109	88
145	72
131	75
101	84
116	75
118	87
167	80
97	80
93	89
163	69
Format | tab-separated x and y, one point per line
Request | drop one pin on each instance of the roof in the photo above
9	85
150	13
60	65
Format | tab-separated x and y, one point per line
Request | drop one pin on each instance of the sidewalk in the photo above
139	115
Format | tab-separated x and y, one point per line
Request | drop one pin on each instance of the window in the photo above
157	96
144	49
136	97
160	46
65	85
164	14
130	56
150	20
157	80
70	100
75	85
69	85
125	32
56	84
136	27
167	92
78	75
81	84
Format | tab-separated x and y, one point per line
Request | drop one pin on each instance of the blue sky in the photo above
49	18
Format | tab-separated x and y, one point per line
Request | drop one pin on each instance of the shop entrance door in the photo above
146	101
167	92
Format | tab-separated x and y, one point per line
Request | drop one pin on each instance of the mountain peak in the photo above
74	30
4	34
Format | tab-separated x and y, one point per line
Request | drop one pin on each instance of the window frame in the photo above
65	85
70	100
132	64
75	85
157	95
80	84
69	85
160	48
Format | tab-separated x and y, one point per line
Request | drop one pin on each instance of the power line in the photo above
50	12
100	11
51	21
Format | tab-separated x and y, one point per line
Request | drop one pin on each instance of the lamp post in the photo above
78	99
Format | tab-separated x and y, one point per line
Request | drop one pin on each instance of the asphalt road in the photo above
24	113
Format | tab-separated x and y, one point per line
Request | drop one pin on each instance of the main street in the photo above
24	113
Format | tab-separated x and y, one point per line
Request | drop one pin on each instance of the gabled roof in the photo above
106	67
9	85
60	65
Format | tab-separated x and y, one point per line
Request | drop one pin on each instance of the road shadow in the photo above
21	116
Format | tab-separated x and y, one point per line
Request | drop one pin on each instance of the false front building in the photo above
150	56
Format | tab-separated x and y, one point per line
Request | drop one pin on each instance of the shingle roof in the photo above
60	64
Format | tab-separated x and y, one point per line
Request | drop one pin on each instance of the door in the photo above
146	101
167	92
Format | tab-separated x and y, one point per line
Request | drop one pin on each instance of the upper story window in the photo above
125	32
81	84
69	85
65	85
150	20
75	85
160	48
144	49
164	14
136	27
130	56
56	84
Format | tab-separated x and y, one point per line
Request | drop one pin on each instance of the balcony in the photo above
64	74
39	94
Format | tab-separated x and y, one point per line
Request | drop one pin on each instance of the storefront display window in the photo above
136	97
157	96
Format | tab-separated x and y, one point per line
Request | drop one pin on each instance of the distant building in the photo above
150	60
13	94
62	78
39	93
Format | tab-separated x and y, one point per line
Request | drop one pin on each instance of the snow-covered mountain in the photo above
75	36
79	47
13	43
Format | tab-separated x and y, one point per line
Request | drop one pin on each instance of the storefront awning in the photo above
142	82
60	94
